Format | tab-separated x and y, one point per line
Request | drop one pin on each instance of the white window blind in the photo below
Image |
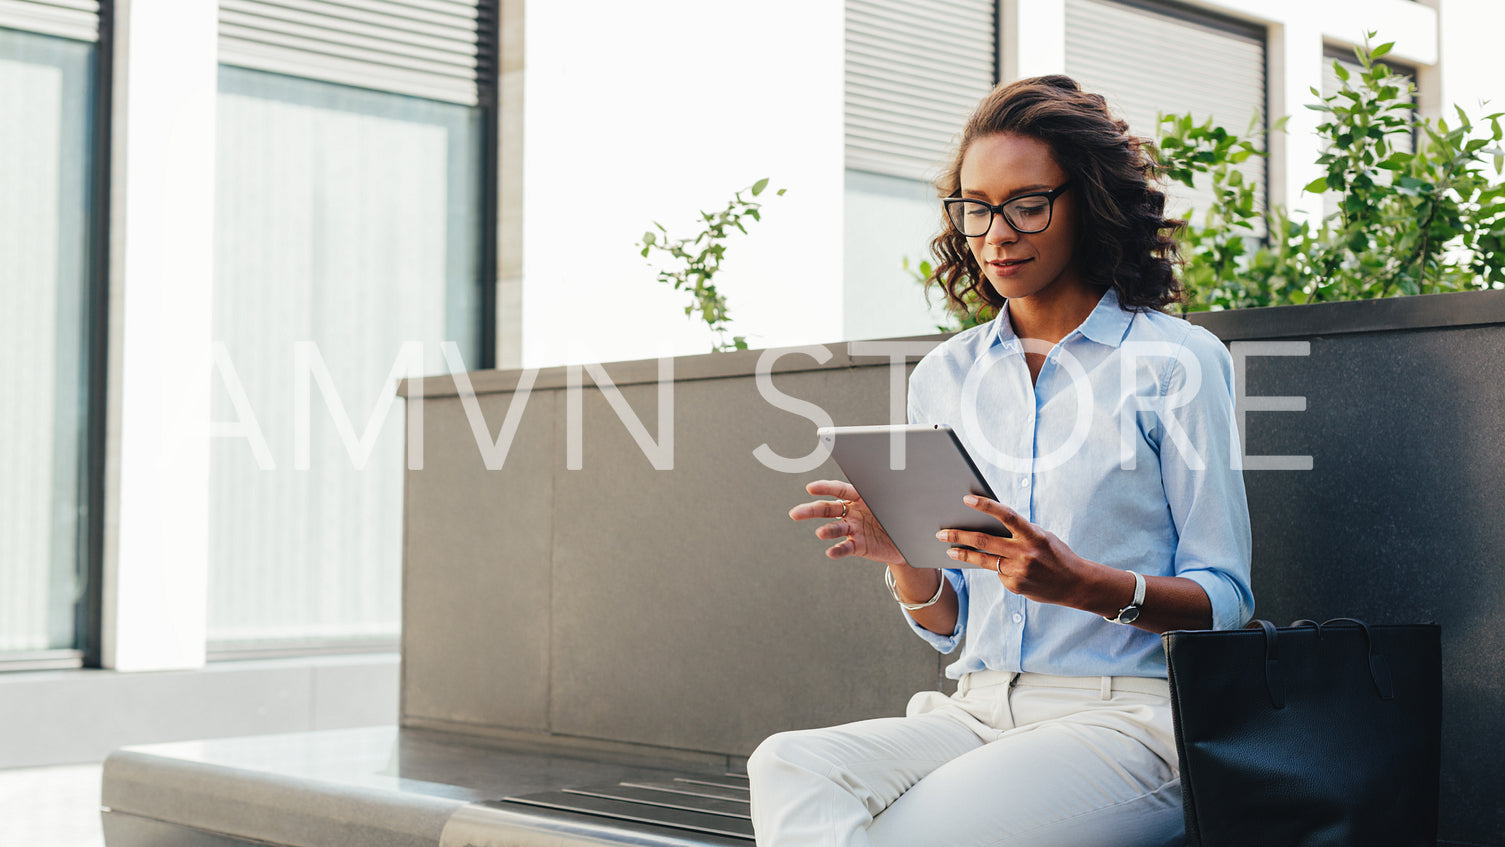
1149	59
436	49
77	19
914	71
347	226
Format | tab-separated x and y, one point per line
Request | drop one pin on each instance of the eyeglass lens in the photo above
974	218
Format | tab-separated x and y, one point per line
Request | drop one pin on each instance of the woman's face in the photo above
996	169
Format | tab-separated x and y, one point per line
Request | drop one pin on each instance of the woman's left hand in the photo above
1033	563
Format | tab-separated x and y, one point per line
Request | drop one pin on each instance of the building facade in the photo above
230	227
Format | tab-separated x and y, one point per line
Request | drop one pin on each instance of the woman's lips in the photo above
1008	267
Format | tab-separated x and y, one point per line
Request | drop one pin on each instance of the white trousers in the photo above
1024	760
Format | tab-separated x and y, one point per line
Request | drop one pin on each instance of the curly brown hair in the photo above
1125	240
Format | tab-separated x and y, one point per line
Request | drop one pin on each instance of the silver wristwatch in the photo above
1130	613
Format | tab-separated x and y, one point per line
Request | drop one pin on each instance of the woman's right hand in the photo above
856	534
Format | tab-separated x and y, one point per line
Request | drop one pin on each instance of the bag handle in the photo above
1379	670
1275	683
1275	680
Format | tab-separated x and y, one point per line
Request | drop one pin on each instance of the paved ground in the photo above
50	807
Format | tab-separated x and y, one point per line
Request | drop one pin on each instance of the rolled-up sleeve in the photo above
946	643
1202	470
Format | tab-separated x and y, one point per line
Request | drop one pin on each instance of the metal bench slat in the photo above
640	813
666	799
720	781
716	791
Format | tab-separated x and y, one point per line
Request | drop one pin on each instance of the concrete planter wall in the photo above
681	609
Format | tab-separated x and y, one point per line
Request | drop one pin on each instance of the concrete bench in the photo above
385	787
621	622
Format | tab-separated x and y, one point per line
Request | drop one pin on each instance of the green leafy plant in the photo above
1407	223
1235	253
694	262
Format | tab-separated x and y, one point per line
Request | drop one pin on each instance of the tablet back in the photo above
921	496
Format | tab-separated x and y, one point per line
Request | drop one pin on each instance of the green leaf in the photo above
1341	71
1381	50
758	186
1317	186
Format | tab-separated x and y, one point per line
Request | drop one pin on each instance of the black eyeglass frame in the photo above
1001	209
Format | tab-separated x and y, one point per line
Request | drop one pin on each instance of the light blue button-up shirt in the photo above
1125	448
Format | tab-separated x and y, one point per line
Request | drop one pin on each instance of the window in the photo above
350	211
914	72
47	227
1150	59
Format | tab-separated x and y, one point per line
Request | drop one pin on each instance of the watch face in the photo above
1129	615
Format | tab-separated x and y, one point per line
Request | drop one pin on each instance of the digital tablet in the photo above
913	502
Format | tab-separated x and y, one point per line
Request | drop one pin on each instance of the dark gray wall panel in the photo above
689	610
476	570
1399	520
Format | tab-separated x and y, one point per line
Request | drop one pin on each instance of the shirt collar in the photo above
1107	324
1003	330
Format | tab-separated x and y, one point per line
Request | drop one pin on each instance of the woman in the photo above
1106	428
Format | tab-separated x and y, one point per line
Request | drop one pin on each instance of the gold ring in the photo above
843	510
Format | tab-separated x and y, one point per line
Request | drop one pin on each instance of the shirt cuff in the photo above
944	643
1229	610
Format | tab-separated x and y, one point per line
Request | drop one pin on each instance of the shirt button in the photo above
1018	618
1023	483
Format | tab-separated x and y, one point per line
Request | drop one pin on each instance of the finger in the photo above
842	549
1015	522
838	529
974	558
833	488
983	541
823	509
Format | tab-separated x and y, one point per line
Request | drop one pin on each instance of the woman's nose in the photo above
999	231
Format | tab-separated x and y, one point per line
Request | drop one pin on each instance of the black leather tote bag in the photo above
1310	735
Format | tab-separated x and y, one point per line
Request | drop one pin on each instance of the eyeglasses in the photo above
1027	213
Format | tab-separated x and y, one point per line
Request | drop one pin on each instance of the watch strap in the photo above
1130	613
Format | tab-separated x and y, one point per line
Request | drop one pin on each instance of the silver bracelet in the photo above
888	579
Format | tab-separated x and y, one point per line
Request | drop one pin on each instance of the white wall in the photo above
653	111
1472	73
162	259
